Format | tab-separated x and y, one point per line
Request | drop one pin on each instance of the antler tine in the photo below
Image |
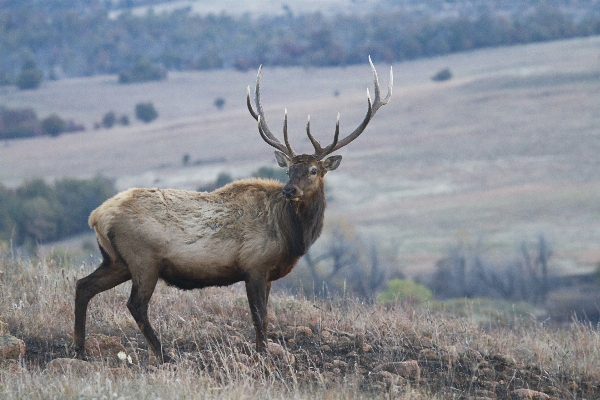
285	136
329	148
249	104
275	143
316	144
378	101
371	110
263	128
319	151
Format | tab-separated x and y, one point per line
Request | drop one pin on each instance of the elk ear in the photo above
332	163
282	159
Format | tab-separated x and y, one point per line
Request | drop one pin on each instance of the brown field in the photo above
506	150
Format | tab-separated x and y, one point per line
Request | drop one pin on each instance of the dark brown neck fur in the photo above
301	222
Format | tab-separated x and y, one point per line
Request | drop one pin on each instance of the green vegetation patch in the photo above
38	212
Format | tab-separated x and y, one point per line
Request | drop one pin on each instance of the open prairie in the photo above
505	150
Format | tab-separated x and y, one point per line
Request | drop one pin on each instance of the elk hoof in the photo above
167	359
80	353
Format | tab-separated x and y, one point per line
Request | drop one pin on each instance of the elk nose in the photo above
289	192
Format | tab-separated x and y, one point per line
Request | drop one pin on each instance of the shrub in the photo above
271	173
53	125
124	120
401	290
442	75
74	127
243	64
142	71
109	119
145	112
219	103
30	76
18	123
222	179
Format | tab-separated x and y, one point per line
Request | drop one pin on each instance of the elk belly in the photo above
201	264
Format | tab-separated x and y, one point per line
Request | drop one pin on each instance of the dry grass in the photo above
211	335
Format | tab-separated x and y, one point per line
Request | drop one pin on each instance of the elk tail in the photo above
102	229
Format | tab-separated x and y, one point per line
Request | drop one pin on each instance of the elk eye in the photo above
313	171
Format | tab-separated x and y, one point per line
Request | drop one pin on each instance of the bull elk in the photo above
251	230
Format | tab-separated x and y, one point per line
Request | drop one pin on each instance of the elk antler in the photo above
372	109
263	129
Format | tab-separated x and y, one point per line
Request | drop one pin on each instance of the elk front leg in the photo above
141	292
257	289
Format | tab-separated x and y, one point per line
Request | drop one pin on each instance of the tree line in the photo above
38	212
83	39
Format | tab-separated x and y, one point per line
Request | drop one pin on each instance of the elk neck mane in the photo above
300	222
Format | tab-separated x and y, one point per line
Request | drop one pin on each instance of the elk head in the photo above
306	171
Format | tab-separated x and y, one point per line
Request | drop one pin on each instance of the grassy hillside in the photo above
337	350
504	151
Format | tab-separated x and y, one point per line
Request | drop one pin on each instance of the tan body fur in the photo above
198	239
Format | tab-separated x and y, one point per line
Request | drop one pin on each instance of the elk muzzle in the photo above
292	192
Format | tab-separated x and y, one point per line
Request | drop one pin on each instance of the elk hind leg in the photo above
108	275
141	292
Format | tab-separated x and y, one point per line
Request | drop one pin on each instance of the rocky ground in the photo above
313	358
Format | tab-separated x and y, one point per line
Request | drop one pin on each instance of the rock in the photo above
11	348
367	348
503	360
120	373
279	353
70	366
342	344
183	344
449	354
406	369
299	331
97	345
429	355
325	348
528	394
3	328
340	364
237	340
389	378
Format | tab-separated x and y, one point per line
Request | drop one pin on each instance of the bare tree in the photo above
468	273
344	263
